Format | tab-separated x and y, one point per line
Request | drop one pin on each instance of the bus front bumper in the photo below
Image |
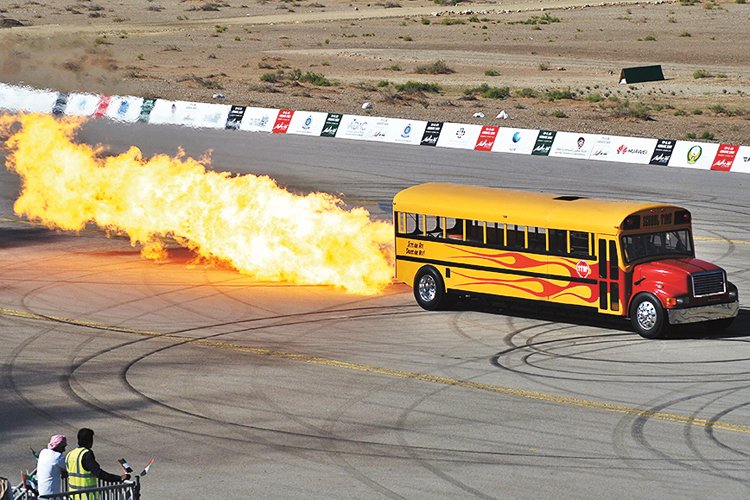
703	313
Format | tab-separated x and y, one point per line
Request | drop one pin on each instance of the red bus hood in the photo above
687	265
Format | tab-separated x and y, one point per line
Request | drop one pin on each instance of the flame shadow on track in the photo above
27	236
740	327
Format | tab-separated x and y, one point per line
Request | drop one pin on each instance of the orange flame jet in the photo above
246	221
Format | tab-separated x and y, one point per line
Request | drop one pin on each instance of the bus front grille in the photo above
709	283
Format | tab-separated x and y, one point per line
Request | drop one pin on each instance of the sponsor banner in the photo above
191	114
515	140
234	118
459	135
28	100
355	127
622	149
662	152
282	121
331	126
691	154
259	119
725	157
82	104
124	108
572	145
742	160
543	143
431	134
61	102
397	130
147	106
307	123
486	138
102	106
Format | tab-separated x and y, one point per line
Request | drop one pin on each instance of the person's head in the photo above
85	438
57	443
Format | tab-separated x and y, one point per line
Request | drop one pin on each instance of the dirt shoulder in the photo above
551	65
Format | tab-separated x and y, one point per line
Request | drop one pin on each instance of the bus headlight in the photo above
677	301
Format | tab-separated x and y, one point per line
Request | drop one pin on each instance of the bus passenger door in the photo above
609	275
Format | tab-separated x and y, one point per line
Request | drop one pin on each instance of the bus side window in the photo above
413	224
558	241
454	228
579	244
495	234
475	231
537	239
516	236
434	229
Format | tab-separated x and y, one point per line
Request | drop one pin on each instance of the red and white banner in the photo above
282	121
725	157
486	139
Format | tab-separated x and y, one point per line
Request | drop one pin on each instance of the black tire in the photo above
648	317
429	289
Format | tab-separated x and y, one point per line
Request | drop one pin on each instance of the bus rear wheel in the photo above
429	289
648	317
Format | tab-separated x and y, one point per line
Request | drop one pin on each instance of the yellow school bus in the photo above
626	258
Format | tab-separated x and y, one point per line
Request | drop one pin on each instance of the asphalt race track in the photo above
246	389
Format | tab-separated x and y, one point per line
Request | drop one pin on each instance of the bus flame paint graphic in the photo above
246	221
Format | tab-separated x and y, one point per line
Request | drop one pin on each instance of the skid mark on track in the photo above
652	414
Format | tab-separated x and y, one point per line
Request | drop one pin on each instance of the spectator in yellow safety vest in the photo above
50	469
83	469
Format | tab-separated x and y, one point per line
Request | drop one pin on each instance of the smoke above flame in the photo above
245	221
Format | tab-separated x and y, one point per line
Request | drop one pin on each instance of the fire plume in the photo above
246	221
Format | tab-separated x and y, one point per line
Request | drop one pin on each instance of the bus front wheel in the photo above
429	289
648	317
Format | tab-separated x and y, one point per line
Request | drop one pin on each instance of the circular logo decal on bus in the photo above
583	269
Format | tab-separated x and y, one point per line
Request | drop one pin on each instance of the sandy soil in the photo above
548	64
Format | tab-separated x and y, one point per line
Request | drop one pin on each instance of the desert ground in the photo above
547	64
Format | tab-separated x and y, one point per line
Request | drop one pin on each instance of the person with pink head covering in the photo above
50	469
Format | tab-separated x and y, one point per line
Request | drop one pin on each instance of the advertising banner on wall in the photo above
662	152
622	149
355	127
331	126
690	154
572	145
486	138
543	143
459	135
258	119
234	118
124	108
307	123
82	104
742	160
397	130
431	134
191	114
102	106
725	157
515	140
282	121
26	99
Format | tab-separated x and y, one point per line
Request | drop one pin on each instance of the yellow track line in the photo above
403	374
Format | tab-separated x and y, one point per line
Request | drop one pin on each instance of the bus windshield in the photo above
641	246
